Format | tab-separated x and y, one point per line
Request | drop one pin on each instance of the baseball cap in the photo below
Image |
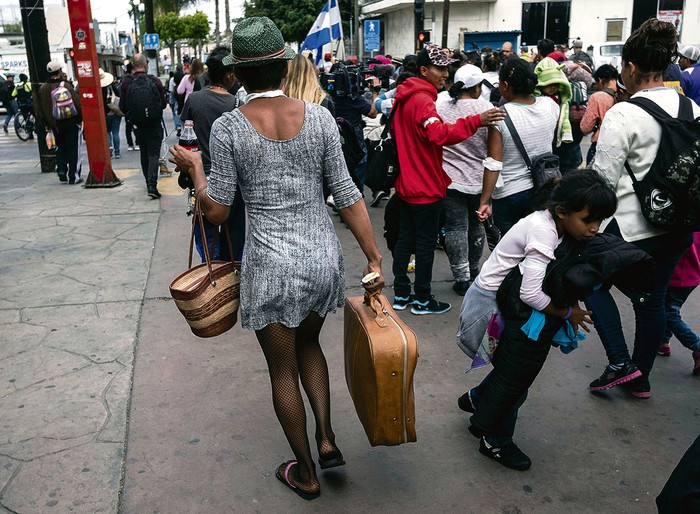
690	52
432	55
469	75
577	44
54	66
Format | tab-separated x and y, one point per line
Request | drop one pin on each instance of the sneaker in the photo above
377	198
137	148
509	455
4	127
461	287
664	350
63	177
153	192
640	388
696	358
401	302
465	402
611	378
117	155
432	306
77	180
164	169
130	149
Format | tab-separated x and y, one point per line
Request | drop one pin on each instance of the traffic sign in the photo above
372	35
151	42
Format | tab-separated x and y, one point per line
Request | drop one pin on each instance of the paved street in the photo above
110	404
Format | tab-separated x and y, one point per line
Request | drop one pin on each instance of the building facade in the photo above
593	21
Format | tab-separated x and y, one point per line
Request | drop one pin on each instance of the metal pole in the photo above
152	55
36	39
445	21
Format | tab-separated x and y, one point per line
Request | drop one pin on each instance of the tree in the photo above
170	28
195	27
227	14
217	32
176	6
295	17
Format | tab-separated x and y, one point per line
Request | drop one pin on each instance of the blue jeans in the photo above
113	124
176	119
511	209
236	231
11	108
650	316
675	326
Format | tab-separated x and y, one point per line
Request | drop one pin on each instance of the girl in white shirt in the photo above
576	205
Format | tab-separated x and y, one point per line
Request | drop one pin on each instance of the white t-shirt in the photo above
463	162
629	134
530	244
535	124
492	78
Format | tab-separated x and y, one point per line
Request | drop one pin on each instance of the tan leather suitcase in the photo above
381	353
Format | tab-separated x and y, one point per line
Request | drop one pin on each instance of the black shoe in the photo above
465	402
377	198
611	378
401	302
640	388
432	306
461	287
508	455
63	177
153	192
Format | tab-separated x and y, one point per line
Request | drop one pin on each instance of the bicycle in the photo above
24	124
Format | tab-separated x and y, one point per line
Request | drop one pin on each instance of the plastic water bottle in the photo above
188	140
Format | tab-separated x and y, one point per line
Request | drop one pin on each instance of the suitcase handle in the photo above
374	300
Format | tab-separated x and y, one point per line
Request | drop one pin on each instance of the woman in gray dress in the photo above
280	152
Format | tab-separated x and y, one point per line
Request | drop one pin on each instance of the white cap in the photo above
690	52
469	75
54	66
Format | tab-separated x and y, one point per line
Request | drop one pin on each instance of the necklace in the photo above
218	87
265	94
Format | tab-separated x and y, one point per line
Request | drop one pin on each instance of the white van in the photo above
609	52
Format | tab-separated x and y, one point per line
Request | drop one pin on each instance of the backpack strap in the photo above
610	92
652	108
629	172
516	139
685	108
394	108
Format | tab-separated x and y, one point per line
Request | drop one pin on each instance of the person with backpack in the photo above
598	105
60	112
142	100
631	141
7	90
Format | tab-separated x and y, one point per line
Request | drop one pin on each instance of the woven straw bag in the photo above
208	294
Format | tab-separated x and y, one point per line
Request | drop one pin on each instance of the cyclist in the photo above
23	95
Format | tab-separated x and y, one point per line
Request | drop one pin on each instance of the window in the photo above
547	19
614	30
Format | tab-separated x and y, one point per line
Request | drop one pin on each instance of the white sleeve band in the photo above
492	164
430	120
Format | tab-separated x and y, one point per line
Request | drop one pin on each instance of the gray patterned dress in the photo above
292	261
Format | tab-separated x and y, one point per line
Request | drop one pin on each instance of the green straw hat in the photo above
258	41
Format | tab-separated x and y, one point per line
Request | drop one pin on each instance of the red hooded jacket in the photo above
420	134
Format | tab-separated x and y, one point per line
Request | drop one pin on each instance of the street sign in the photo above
372	35
151	42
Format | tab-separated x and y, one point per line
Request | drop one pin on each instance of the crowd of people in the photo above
469	129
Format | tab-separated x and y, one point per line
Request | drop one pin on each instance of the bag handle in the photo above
516	139
394	108
199	217
374	301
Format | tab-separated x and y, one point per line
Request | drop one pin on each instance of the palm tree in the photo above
227	13
176	6
217	33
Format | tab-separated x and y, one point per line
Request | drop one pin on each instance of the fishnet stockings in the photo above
293	354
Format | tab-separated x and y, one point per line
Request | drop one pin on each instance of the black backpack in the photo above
5	92
670	192
143	101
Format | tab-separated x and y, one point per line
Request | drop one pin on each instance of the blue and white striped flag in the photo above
327	28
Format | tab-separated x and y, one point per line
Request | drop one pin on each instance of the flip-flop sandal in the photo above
333	462
285	480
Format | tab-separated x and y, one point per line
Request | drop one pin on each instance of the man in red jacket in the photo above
422	183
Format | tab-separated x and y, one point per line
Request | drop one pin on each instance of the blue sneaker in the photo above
432	306
401	302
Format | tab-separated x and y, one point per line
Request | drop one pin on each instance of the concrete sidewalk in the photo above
84	303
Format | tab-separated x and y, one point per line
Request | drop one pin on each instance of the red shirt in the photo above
420	134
